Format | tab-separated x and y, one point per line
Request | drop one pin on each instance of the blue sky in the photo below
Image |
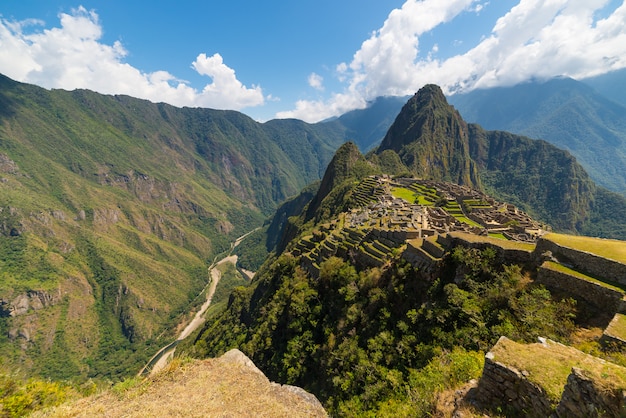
305	59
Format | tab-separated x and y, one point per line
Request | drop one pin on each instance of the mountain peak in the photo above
431	138
347	162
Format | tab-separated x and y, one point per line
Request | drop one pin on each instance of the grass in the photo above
550	365
607	248
403	193
498	235
617	327
505	244
466	220
213	387
413	196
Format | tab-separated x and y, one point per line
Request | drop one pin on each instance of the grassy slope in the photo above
111	209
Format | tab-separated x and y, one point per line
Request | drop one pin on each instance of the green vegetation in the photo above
404	193
19	398
230	279
304	331
496	241
111	210
544	181
549	365
617	327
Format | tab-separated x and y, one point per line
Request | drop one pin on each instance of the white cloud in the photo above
316	81
535	39
225	91
72	56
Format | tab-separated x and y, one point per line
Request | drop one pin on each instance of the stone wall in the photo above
593	388
584	261
433	249
507	388
504	255
594	293
582	397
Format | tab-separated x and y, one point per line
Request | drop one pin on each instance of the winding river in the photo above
165	354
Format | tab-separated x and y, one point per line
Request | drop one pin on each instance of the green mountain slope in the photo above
111	208
564	112
368	330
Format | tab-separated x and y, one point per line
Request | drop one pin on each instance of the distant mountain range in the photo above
564	112
587	118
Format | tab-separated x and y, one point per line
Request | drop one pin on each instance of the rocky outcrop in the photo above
228	386
34	299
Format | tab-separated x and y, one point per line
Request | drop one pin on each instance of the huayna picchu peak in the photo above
434	142
432	139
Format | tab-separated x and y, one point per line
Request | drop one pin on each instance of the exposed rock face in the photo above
32	300
237	357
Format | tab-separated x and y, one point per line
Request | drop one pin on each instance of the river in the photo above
165	354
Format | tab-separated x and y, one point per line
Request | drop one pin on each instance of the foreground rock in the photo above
227	386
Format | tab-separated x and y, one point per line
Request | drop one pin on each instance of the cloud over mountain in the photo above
73	56
460	45
535	39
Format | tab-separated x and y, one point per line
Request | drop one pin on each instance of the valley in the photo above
160	360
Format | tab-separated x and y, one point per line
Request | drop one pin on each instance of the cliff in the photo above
230	385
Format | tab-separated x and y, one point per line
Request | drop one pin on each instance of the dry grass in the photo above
208	388
549	365
607	248
502	243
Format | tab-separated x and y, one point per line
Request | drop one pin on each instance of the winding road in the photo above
165	354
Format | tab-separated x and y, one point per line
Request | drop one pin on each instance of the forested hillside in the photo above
111	209
565	112
377	322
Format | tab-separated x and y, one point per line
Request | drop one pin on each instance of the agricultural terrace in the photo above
606	248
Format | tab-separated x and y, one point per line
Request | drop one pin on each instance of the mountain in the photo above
367	127
388	290
434	142
111	208
432	139
611	85
564	112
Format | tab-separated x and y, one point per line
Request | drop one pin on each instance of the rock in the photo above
237	357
